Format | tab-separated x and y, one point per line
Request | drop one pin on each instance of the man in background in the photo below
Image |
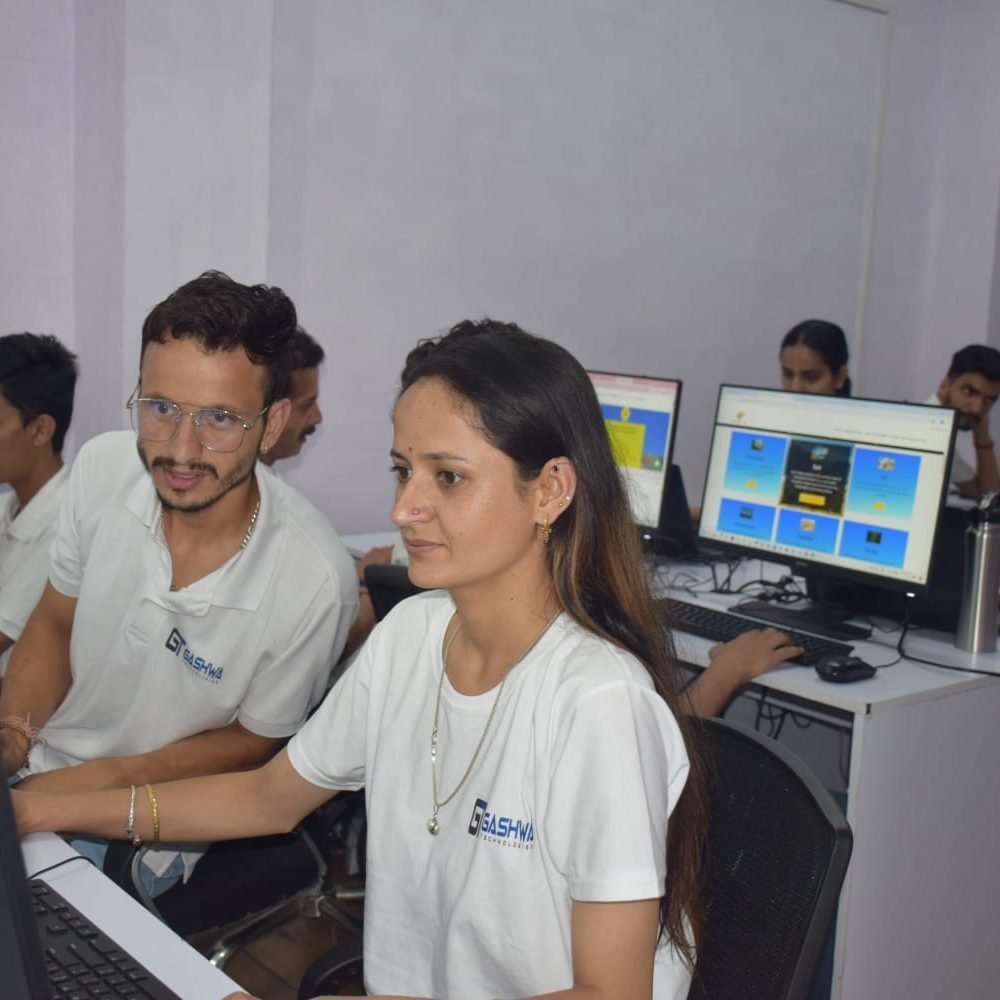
971	387
304	357
37	381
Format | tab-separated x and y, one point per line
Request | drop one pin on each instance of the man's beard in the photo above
239	475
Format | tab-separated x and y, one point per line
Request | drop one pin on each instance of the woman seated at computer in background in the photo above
534	809
814	357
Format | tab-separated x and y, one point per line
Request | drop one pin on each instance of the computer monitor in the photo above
640	413
22	968
851	488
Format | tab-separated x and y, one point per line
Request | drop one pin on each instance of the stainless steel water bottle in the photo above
977	619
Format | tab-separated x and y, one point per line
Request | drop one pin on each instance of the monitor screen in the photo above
852	486
22	968
640	413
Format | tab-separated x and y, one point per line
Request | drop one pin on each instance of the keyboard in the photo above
81	960
710	623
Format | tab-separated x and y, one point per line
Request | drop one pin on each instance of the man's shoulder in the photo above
298	511
113	453
104	479
307	529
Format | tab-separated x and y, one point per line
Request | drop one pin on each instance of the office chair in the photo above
242	889
776	854
338	972
388	585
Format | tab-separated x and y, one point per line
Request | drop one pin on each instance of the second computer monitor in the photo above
850	486
640	413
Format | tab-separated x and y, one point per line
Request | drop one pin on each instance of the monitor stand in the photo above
818	618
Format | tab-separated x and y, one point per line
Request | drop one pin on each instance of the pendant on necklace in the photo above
432	826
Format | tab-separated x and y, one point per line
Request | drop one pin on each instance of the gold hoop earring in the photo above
546	530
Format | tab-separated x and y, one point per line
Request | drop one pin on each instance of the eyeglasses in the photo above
216	429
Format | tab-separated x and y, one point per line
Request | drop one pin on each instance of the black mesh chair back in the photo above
387	586
776	855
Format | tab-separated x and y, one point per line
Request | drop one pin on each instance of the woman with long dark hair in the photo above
535	811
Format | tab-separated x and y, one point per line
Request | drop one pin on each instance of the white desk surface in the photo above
903	682
159	949
359	544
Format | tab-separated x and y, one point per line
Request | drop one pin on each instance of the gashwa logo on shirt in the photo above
504	830
177	645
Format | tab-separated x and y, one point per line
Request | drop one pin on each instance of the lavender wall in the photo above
662	187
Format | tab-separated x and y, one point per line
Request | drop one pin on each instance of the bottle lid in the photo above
987	510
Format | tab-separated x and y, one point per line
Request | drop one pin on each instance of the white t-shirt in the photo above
569	799
254	640
24	554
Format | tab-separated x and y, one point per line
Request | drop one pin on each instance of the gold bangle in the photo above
155	809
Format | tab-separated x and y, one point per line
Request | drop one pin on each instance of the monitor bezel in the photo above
20	944
651	534
804	566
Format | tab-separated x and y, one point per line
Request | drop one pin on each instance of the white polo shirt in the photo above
252	641
24	554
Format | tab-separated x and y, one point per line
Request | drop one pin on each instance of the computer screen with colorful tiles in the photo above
851	486
640	413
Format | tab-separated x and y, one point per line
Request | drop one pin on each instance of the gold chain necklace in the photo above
251	525
433	827
246	536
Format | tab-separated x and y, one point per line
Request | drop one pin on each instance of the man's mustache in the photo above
163	462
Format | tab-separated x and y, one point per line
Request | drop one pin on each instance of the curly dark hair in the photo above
222	315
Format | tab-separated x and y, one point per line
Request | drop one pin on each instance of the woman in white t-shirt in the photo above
517	730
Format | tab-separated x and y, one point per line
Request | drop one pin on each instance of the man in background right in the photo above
972	386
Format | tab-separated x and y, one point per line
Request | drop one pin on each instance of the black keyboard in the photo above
710	623
82	961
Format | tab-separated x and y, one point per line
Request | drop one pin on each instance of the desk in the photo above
919	906
135	929
358	545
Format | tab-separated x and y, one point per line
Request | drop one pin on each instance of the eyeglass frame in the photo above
179	414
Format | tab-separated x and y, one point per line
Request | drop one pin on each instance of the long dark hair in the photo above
534	402
827	340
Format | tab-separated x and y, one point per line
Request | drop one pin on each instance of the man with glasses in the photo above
195	605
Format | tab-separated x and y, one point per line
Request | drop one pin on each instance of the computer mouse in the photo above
844	669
